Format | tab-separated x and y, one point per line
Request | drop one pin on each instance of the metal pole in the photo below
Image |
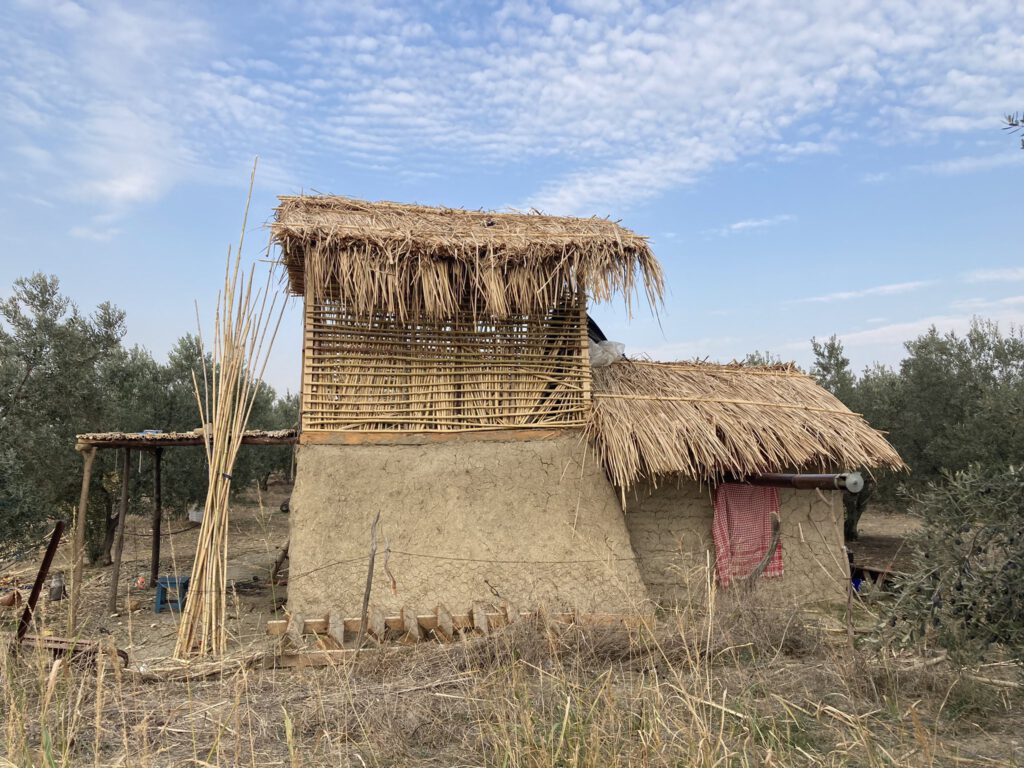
37	587
847	481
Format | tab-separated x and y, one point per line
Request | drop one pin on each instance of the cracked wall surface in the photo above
532	522
670	529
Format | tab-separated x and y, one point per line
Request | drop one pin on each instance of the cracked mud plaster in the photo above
670	529
461	508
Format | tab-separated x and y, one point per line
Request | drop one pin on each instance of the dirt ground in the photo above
258	532
752	684
882	541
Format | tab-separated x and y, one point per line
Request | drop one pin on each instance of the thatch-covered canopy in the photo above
707	422
413	261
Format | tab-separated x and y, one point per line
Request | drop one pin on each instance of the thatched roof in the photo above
707	422
420	262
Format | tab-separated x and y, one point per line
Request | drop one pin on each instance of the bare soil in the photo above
881	544
258	532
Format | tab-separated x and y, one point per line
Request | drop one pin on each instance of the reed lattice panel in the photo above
375	373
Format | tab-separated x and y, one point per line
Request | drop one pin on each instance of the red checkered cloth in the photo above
743	531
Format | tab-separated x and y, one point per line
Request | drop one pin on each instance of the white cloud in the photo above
1004	275
688	349
892	289
895	334
973	163
96	235
749	224
614	100
984	305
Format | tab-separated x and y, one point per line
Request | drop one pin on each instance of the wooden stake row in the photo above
442	626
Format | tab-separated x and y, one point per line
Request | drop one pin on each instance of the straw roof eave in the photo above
710	422
418	261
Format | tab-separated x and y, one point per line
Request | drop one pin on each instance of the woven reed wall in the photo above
374	373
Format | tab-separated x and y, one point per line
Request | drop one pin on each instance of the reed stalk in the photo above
245	326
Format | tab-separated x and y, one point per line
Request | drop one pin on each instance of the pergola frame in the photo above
153	443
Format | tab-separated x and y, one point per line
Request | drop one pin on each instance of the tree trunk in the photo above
854	505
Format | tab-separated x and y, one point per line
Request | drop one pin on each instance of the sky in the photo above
802	169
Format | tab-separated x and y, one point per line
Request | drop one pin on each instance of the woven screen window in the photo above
376	374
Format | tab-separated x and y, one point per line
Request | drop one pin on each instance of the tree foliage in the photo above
963	592
63	373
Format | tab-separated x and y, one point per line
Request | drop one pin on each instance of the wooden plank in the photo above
381	437
319	658
411	626
180	442
445	624
481	621
295	631
445	629
377	624
336	629
276	627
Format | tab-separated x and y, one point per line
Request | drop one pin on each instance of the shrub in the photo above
963	592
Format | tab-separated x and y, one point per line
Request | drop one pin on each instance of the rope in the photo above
761	403
712	369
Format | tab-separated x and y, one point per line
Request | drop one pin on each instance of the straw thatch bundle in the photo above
706	421
416	262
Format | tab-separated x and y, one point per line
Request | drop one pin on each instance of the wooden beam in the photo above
318	437
115	571
320	658
151	444
78	550
154	563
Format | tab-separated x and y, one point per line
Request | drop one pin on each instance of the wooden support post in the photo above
115	571
78	553
369	582
154	564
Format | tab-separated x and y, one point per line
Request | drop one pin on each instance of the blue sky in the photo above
802	169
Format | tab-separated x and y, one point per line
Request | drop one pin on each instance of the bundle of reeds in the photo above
245	326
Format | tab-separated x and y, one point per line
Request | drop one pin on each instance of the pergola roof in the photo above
152	440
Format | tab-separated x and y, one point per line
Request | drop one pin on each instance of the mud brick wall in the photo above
670	529
466	521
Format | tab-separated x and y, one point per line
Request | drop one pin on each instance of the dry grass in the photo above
733	684
708	421
416	263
